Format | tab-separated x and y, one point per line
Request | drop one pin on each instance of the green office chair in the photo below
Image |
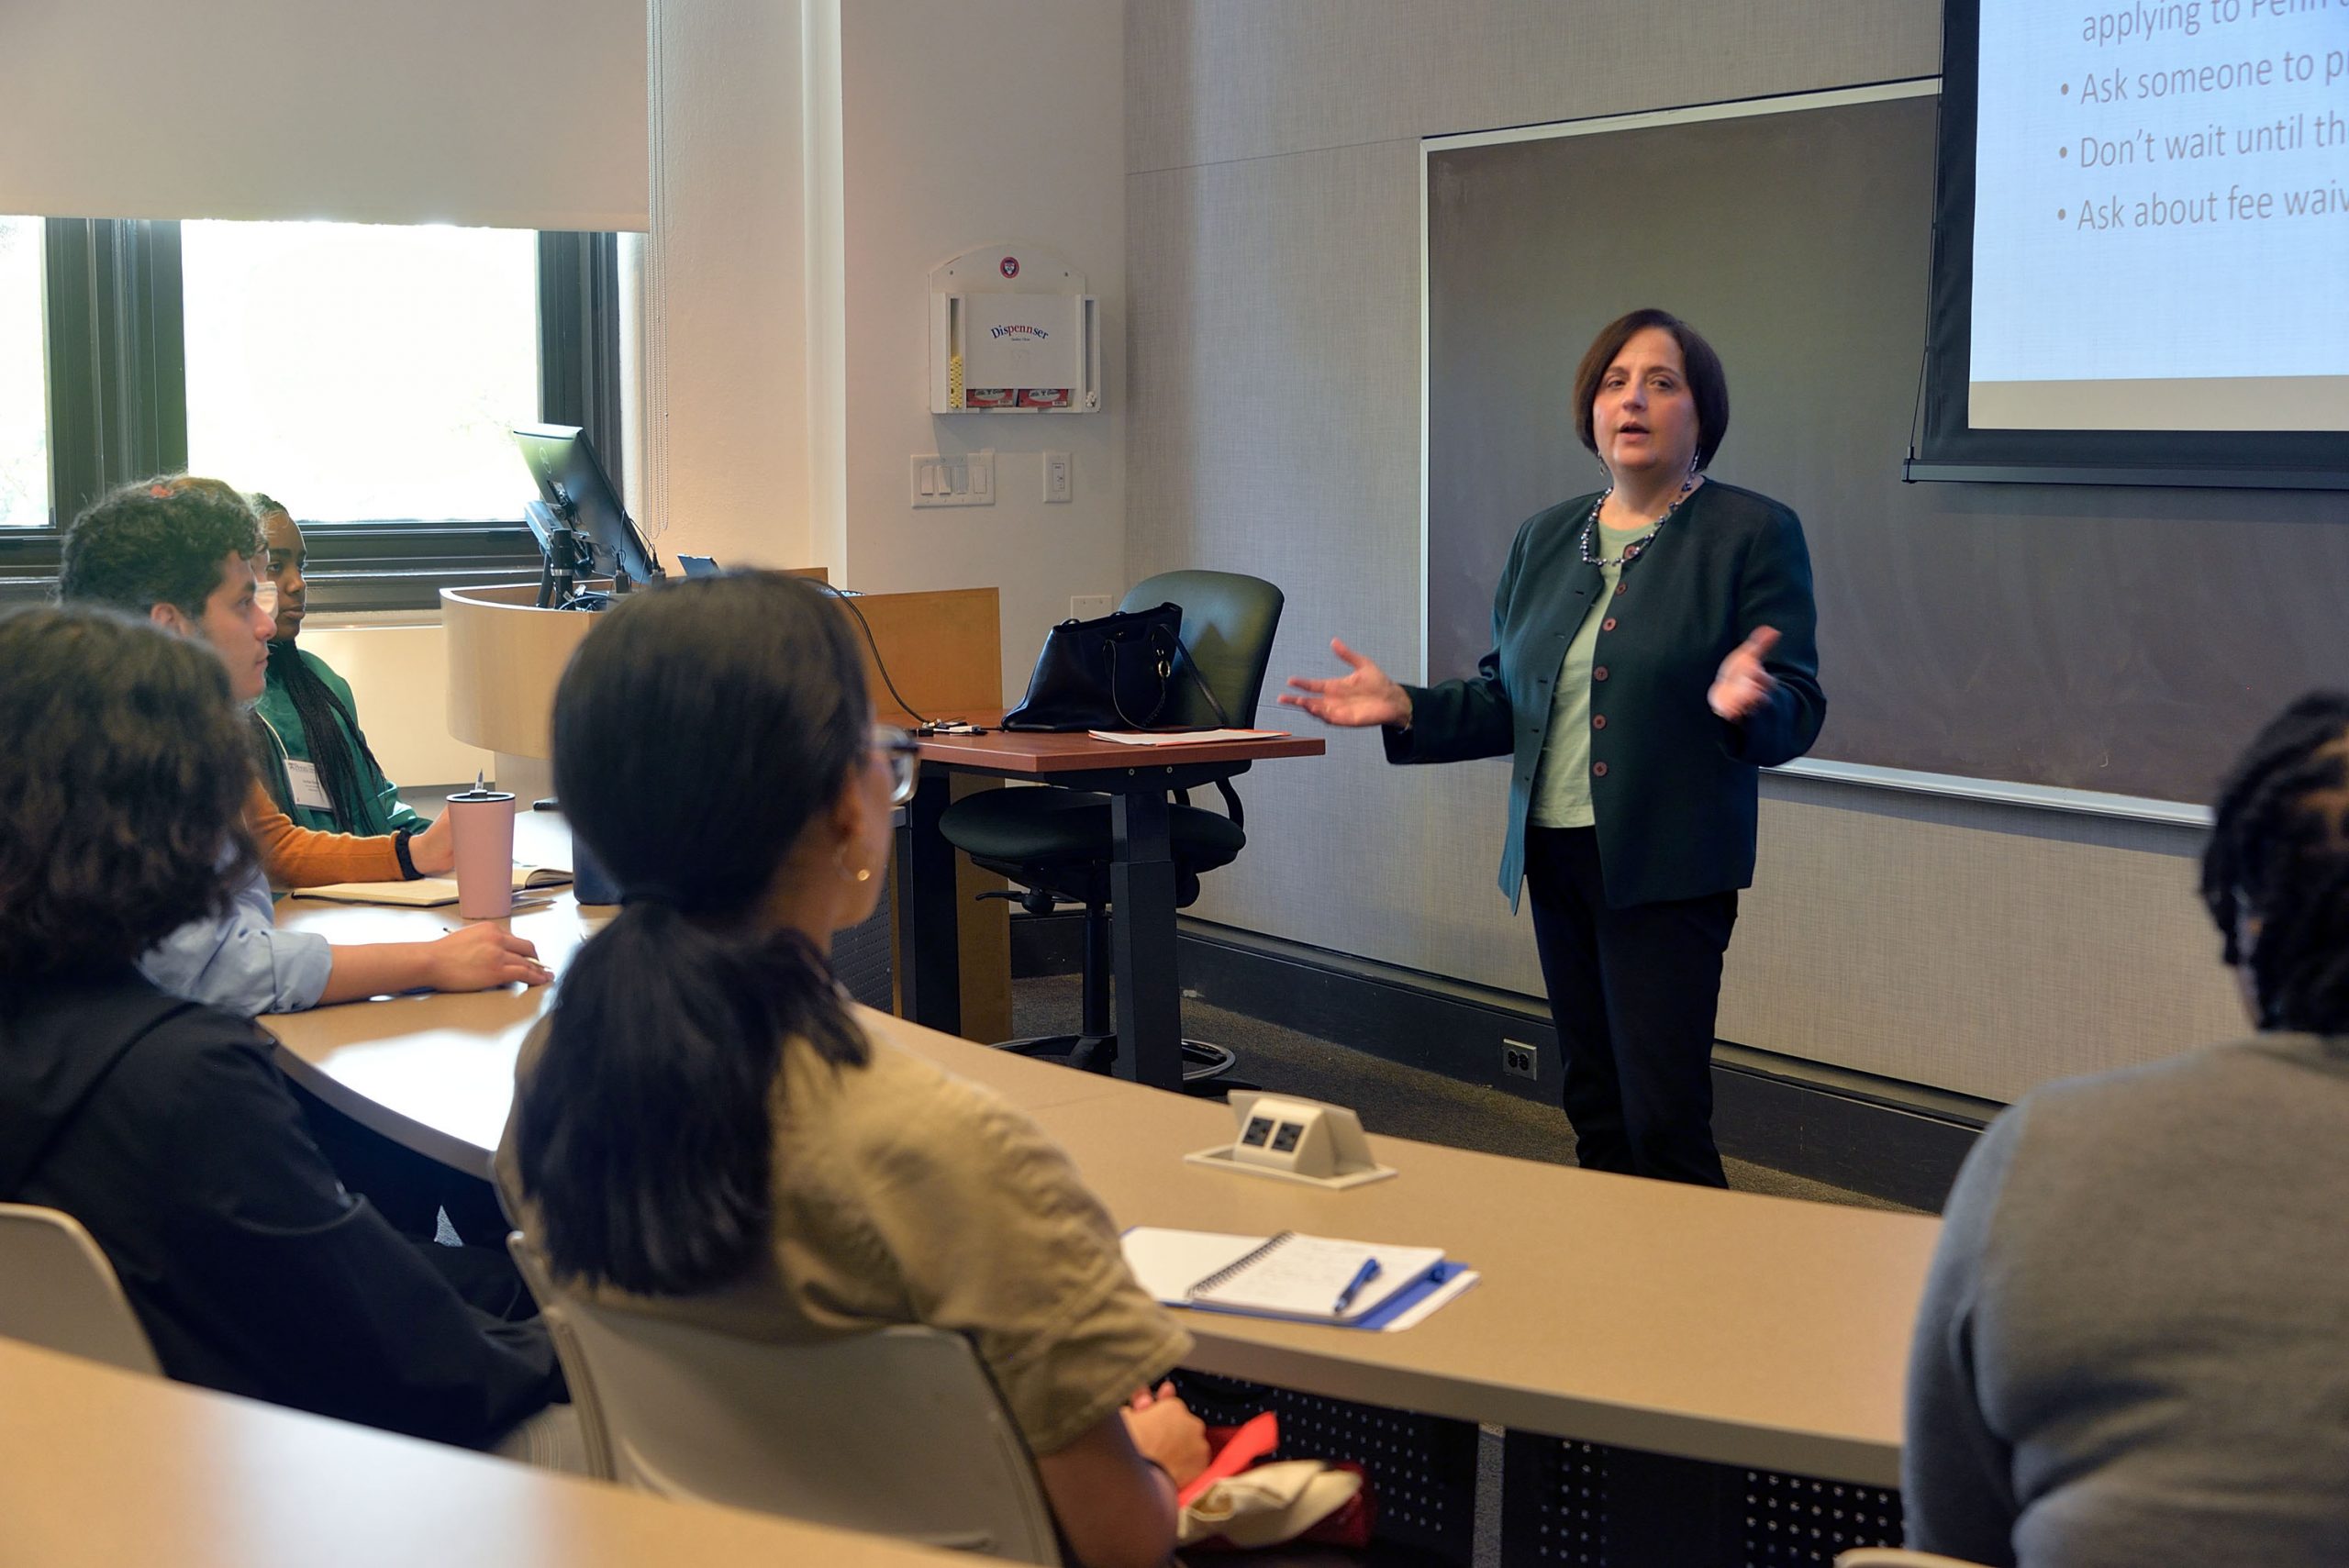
1055	842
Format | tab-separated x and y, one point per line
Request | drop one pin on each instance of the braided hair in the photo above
2276	875
338	747
338	750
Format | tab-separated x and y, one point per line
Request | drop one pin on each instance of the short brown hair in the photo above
157	541
1707	382
122	788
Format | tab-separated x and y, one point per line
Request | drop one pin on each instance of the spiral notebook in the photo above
1290	1275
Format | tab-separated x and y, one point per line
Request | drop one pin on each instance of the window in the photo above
23	397
357	372
364	374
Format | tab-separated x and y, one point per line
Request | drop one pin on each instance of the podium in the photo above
943	649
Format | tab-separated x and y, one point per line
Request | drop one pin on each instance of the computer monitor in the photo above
582	498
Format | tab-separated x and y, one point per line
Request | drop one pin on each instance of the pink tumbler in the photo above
483	828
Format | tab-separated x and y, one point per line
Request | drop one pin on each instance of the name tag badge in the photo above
308	790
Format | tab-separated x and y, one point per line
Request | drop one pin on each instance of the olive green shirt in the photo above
1561	787
906	1194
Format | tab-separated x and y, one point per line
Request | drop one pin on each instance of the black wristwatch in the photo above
399	847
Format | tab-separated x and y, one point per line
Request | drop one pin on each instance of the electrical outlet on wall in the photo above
1520	1059
1091	606
1058	470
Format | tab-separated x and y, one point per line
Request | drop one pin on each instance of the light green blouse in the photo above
1562	784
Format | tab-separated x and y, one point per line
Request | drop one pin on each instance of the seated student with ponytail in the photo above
180	552
325	774
162	1124
706	1128
2131	1345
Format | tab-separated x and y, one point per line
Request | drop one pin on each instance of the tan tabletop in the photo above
1726	1327
435	1073
100	1468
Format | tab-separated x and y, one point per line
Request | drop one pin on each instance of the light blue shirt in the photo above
238	961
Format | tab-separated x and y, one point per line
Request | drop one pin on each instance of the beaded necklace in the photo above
1632	551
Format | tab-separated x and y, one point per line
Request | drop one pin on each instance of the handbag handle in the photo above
1190	667
1119	707
1223	720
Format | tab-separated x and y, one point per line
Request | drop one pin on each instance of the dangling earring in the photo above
862	873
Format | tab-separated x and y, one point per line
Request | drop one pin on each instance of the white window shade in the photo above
512	114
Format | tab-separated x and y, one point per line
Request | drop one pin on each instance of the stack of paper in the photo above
1182	736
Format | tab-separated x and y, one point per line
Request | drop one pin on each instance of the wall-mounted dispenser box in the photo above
1012	331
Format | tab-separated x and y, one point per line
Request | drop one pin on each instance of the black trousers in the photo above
1634	993
414	1193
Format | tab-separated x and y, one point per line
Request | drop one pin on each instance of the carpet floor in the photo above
1406	1101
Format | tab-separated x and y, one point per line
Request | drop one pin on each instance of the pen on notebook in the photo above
1362	1276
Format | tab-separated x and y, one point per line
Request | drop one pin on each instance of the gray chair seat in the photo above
1041	827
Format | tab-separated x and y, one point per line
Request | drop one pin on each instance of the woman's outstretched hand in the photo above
1742	684
1362	697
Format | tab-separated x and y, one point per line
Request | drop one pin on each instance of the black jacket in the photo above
1673	786
163	1126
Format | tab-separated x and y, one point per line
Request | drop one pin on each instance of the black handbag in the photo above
1116	673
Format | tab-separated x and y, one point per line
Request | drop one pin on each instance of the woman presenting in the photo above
1654	645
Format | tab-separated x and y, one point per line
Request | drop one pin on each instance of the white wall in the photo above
399	679
811	161
966	125
728	465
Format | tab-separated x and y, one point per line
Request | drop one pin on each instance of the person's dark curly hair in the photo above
2276	875
122	789
158	542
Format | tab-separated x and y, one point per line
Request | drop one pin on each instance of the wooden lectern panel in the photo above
505	657
944	651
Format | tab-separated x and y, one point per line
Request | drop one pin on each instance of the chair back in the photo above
58	1290
896	1432
1228	621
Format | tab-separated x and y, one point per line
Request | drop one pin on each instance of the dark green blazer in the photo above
1672	786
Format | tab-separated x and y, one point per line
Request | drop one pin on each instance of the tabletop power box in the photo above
1294	1140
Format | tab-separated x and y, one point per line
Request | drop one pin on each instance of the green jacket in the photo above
1673	786
385	811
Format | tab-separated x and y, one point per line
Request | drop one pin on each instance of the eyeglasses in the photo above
904	754
265	597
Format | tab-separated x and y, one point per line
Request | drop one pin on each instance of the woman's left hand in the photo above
433	852
1742	684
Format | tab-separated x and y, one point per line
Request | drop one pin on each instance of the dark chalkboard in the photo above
2122	640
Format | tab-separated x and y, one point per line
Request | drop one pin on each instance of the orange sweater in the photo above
302	857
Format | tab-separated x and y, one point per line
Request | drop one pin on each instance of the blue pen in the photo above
1362	1276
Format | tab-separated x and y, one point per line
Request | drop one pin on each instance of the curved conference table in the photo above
1723	1326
